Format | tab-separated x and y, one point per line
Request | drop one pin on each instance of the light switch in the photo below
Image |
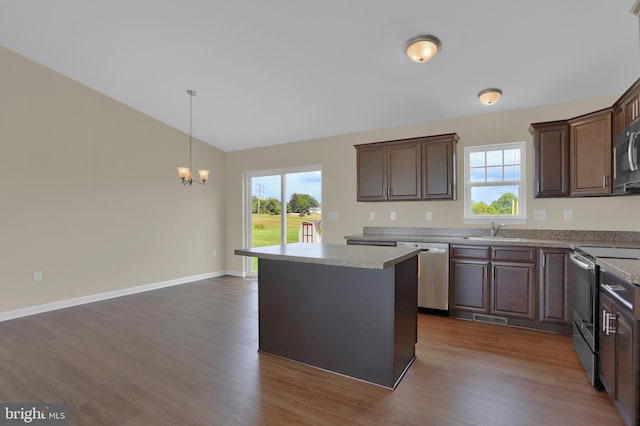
37	275
372	215
429	216
334	215
539	215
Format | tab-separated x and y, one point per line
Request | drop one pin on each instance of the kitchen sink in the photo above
497	238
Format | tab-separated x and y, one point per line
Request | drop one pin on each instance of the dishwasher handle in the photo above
436	250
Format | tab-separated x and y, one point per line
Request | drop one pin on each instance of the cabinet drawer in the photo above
516	254
469	252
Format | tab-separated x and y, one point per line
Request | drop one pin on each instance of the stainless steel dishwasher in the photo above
433	275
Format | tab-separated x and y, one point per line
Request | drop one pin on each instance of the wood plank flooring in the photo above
187	355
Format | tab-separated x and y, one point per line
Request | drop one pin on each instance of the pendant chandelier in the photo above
185	173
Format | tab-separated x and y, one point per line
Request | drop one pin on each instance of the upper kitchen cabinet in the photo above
590	154
551	159
408	169
627	109
439	165
389	171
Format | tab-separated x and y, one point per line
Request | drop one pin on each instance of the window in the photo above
494	183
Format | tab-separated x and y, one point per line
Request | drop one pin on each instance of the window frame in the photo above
521	218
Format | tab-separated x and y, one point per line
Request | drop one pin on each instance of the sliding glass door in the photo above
283	207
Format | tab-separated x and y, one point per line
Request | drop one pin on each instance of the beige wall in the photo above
89	193
338	159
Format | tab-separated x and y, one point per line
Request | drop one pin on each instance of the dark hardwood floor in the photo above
187	355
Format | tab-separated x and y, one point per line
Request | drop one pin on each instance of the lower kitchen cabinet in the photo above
555	286
619	352
513	290
528	286
469	289
492	280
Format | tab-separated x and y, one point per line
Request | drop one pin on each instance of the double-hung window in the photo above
494	183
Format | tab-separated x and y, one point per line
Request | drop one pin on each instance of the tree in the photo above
271	206
302	203
507	204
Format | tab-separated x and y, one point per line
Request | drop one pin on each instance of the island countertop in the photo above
370	257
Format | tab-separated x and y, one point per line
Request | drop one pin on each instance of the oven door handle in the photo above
581	262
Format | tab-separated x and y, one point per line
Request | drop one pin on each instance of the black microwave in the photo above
626	153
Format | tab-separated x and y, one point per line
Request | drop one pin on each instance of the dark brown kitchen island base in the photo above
360	322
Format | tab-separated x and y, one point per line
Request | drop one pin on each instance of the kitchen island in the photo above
347	309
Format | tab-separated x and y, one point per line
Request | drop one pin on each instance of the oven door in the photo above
585	298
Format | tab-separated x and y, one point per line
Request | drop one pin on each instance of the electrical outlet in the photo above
429	216
392	216
334	215
568	215
37	276
372	215
215	252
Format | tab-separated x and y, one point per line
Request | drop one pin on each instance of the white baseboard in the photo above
236	273
61	304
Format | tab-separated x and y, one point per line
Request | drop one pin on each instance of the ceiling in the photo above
270	72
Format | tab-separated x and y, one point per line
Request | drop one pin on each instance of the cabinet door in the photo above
590	154
438	164
372	174
513	290
618	121
404	172
555	286
631	106
607	345
469	285
551	160
626	393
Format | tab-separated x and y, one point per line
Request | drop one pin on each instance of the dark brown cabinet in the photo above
590	154
372	174
470	285
619	352
551	159
627	109
631	107
389	172
496	280
555	286
407	169
513	290
439	165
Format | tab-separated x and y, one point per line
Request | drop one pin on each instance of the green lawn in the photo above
266	230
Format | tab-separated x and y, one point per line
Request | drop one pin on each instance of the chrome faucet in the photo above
495	228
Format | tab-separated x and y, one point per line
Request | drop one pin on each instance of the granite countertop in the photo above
484	240
627	269
370	257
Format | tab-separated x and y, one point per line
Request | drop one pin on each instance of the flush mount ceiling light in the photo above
489	96
184	173
422	48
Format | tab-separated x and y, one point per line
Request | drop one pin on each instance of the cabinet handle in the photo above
538	186
604	321
544	260
604	181
610	329
384	192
